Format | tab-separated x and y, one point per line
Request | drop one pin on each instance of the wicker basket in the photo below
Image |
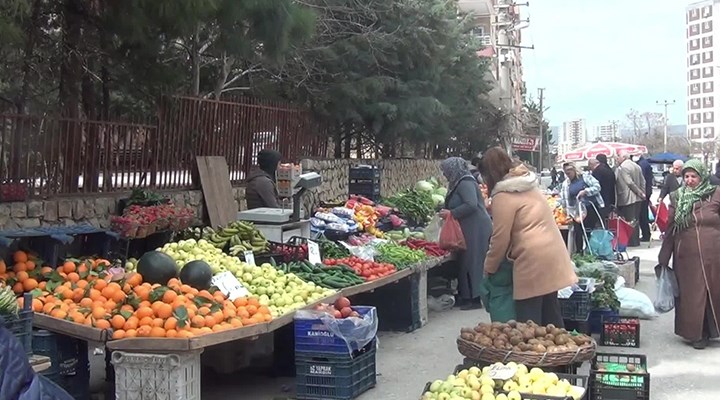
474	351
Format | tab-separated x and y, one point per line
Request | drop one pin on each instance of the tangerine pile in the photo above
87	292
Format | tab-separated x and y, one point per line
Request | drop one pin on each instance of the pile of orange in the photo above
85	292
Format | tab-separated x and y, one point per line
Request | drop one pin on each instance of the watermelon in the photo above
197	274
156	267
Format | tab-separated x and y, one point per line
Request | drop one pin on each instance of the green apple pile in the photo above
279	291
476	384
185	251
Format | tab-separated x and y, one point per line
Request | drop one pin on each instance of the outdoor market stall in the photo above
154	318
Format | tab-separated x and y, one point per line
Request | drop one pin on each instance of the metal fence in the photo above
58	156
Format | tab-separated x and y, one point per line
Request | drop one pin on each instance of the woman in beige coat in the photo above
524	230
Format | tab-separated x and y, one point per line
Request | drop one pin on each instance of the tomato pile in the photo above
368	270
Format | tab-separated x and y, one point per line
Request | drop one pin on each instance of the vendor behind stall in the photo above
261	191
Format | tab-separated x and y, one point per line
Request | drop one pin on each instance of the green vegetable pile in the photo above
330	249
400	256
333	277
414	205
604	295
8	303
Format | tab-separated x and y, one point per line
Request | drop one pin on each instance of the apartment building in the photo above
573	135
702	28
607	132
498	26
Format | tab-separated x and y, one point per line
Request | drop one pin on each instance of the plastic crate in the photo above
332	376
616	385
620	332
596	317
77	385
364	173
68	356
576	307
296	249
579	326
564	369
157	376
574	379
398	305
21	325
312	335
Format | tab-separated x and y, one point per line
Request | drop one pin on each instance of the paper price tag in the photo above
502	372
228	284
313	252
249	257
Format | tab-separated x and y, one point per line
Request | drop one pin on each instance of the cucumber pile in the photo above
333	277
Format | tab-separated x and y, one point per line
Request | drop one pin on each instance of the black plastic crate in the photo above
620	331
578	326
21	325
332	376
295	249
576	307
68	356
77	385
364	173
369	190
398	305
619	385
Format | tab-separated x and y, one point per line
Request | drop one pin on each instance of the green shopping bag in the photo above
496	292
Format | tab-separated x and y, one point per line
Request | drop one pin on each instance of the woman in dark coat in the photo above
692	241
464	202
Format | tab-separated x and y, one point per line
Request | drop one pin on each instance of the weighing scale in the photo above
279	224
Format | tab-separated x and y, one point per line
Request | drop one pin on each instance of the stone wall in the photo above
396	176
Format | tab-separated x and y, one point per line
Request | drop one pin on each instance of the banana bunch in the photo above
240	235
8	303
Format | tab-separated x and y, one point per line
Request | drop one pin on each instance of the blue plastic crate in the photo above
21	325
68	356
312	335
335	377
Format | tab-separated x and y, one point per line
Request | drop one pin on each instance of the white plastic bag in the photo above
443	303
432	231
667	289
634	303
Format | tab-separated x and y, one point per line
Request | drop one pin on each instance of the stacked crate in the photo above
287	176
365	181
576	309
69	362
326	368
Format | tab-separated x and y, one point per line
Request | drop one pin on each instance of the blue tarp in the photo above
666	158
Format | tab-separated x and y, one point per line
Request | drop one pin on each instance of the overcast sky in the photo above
598	59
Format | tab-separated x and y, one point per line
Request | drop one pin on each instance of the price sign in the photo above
249	257
502	372
313	252
228	284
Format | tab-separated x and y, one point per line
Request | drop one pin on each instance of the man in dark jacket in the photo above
647	172
672	181
261	191
604	175
17	378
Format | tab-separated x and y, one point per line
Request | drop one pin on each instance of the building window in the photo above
695	73
695	88
695	104
708	72
708	102
694	30
708	87
707	27
708	116
694	59
694	44
707	11
707	42
695	118
707	56
709	133
695	133
694	14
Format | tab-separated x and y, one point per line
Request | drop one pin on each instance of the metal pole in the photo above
665	103
541	141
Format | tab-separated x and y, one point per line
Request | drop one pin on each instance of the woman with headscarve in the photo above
692	241
465	203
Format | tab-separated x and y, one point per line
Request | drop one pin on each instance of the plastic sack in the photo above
451	235
444	302
634	303
432	231
667	289
661	220
354	331
600	244
651	214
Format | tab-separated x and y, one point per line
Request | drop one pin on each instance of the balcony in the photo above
477	7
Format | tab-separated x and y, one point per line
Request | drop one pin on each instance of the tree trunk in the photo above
195	58
69	93
337	151
225	67
347	142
